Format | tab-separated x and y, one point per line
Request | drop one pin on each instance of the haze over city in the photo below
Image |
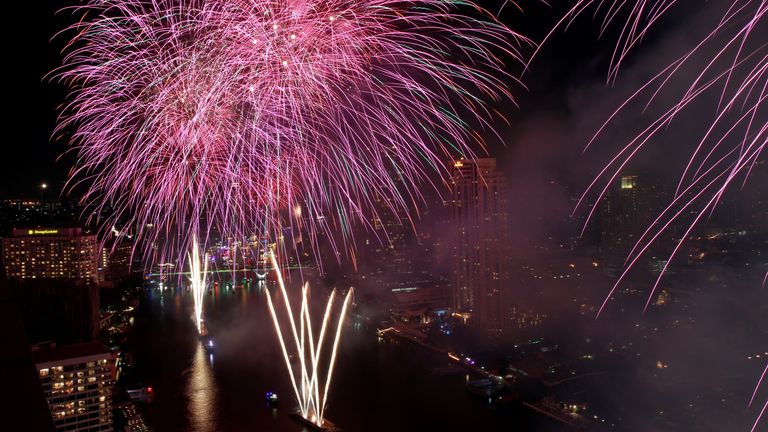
293	215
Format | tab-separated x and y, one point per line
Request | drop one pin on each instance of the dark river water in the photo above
378	385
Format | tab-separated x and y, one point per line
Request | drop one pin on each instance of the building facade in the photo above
77	382
420	303
61	310
115	263
40	253
481	249
625	212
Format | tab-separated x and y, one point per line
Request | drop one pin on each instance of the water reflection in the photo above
202	392
373	380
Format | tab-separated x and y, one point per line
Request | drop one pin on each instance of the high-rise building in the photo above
626	210
481	249
64	253
115	263
24	403
77	382
385	249
62	310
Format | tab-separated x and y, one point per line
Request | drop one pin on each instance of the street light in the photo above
43	187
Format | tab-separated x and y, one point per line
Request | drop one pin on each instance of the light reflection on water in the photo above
202	392
373	378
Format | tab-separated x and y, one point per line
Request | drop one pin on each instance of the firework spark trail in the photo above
731	62
759	417
198	274
742	83
334	351
757	387
229	113
307	382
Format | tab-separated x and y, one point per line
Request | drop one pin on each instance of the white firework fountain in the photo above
309	385
198	272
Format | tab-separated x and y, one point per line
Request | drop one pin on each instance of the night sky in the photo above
564	101
571	62
32	100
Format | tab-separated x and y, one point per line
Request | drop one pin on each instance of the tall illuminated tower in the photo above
77	381
42	253
481	248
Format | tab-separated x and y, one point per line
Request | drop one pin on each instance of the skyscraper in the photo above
77	382
115	263
63	310
626	210
481	249
385	248
397	263
52	276
65	253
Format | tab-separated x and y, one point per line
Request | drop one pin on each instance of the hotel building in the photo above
77	382
64	253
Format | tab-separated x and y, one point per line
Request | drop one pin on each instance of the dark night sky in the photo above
34	157
30	113
565	100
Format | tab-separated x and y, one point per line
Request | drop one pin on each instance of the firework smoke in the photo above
731	63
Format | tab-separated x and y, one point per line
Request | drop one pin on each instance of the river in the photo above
378	385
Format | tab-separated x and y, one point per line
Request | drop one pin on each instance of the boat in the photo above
271	398
327	426
141	394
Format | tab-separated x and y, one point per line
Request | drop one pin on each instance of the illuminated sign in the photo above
43	231
628	182
47	231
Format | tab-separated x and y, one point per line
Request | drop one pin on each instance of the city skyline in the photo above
539	216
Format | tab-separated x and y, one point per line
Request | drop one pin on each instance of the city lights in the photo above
385	215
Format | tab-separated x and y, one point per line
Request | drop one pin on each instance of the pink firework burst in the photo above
203	116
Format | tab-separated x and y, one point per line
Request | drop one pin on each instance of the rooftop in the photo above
47	354
47	232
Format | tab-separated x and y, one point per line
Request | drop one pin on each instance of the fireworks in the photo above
735	69
311	390
197	277
205	116
752	399
728	64
241	118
